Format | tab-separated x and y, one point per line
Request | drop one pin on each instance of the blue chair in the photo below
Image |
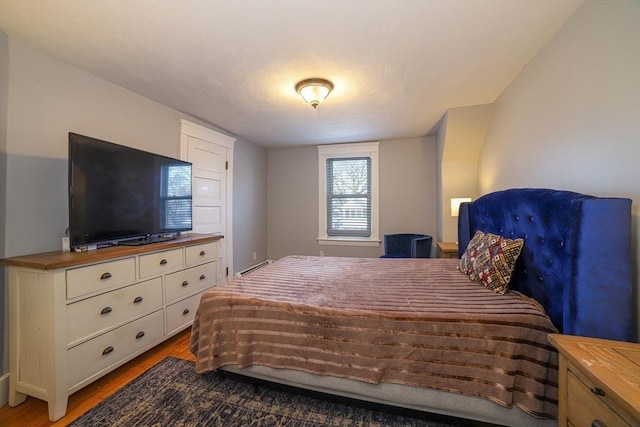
407	245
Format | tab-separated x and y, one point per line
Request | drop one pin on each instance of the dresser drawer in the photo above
94	315
585	406
85	280
182	313
189	281
160	262
200	253
98	354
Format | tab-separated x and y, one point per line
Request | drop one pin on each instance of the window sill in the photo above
346	241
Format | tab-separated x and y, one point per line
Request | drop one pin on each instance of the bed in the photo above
417	333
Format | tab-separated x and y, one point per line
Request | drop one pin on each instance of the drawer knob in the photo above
138	300
185	312
598	423
106	310
202	277
185	284
202	253
139	335
105	276
597	391
107	350
163	261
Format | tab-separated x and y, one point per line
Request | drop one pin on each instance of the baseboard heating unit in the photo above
253	268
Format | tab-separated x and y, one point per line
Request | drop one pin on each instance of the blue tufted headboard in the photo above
576	259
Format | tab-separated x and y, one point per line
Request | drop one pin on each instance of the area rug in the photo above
172	394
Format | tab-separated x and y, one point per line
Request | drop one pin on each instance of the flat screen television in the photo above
121	195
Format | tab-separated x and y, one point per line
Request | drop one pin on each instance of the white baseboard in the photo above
4	389
254	267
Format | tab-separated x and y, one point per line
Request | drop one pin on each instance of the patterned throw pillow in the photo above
489	259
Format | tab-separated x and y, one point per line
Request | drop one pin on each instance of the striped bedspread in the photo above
417	322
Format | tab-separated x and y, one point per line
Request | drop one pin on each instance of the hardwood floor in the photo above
34	412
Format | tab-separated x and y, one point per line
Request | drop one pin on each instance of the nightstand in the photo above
598	381
448	249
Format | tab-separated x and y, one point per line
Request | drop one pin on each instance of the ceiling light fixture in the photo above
314	91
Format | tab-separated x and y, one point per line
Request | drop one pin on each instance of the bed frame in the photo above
567	264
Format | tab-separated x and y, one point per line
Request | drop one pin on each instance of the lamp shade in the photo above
314	91
455	204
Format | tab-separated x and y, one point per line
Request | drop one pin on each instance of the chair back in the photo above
407	245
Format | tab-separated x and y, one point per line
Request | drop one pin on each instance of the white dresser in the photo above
74	317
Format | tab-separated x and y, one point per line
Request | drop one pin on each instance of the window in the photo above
348	194
176	197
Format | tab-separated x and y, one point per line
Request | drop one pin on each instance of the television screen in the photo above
121	195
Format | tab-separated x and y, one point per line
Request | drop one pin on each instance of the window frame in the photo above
345	151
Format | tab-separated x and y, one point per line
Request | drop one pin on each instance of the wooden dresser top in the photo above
613	365
59	259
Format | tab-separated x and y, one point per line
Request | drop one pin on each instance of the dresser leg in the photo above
57	408
16	398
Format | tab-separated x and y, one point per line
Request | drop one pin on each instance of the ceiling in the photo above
397	65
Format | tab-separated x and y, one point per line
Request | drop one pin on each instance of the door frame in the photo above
190	129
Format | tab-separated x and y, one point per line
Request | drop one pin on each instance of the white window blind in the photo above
176	197
349	197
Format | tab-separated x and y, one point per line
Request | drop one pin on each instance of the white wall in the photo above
4	304
249	204
462	132
408	187
571	119
407	197
48	99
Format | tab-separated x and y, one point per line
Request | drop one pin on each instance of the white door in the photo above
211	154
209	186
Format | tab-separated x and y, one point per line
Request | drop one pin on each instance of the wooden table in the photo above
598	382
